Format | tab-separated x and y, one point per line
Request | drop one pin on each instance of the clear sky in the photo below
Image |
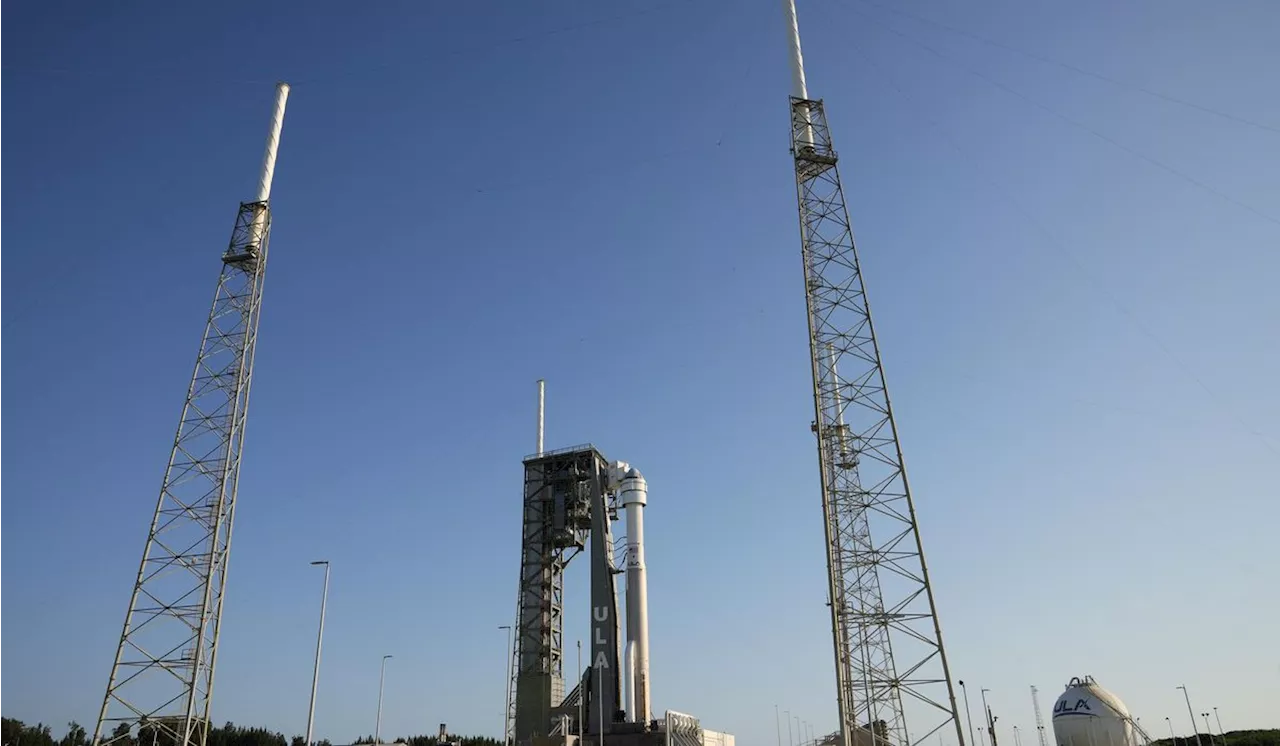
1073	279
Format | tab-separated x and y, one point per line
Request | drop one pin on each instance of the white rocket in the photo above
633	495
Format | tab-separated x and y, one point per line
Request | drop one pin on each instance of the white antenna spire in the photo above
273	143
798	87
542	408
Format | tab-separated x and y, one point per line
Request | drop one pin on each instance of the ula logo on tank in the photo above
1062	707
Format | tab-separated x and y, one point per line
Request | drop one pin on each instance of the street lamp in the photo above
315	674
1191	713
1173	740
377	729
991	732
1207	728
1221	732
506	702
777	724
969	714
790	742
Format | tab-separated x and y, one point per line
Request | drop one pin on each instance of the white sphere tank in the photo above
1088	715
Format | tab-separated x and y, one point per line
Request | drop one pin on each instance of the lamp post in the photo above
1221	732
506	688
1173	740
315	674
582	699
1191	713
969	714
1017	740
790	742
377	728
777	724
1207	728
991	733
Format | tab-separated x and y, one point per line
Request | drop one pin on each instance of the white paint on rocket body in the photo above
633	496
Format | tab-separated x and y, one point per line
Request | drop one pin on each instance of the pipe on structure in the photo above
633	495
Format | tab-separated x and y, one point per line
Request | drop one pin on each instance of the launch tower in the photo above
161	681
571	498
889	657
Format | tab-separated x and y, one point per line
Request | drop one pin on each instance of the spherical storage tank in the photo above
1088	715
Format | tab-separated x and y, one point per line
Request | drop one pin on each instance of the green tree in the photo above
76	735
122	732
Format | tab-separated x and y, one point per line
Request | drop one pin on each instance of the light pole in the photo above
968	713
1017	740
506	688
790	742
799	732
1191	713
987	714
377	729
582	700
1173	740
315	674
1207	728
1221	732
777	724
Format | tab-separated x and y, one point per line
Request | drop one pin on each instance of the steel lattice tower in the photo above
162	680
889	656
1035	702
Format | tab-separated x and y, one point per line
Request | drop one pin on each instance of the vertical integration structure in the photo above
564	503
162	679
572	496
889	657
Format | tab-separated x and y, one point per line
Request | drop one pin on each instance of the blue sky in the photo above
1073	281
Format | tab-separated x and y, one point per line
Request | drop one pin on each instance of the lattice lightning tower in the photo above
889	655
162	680
1035	702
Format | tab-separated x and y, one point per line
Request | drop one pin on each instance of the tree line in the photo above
18	733
1269	737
